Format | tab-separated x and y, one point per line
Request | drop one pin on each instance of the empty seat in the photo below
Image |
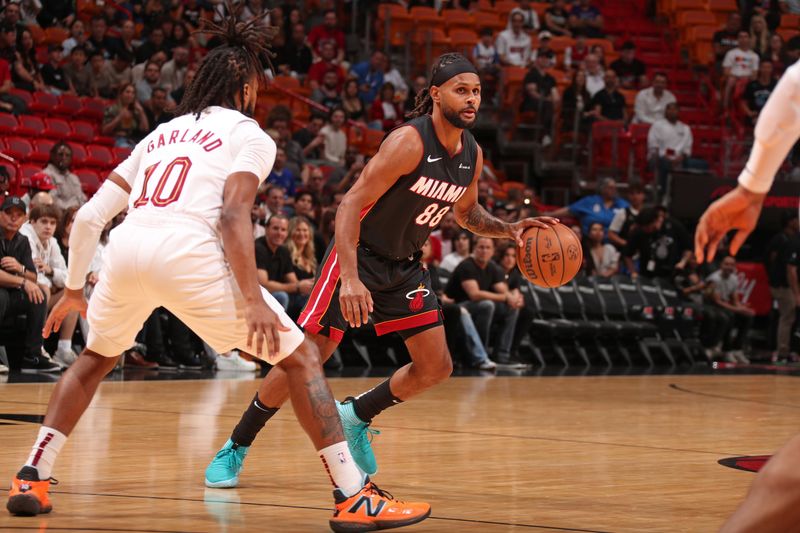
98	156
90	180
44	103
8	123
121	154
30	126
57	128
69	105
83	131
78	153
92	108
19	148
29	169
41	150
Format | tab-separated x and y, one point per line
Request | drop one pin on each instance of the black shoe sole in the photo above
344	527
25	505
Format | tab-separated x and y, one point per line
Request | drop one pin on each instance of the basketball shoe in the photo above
223	471
372	509
28	496
358	435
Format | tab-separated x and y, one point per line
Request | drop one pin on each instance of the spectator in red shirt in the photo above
8	102
325	64
386	113
327	32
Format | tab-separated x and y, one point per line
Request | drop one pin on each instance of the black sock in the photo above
372	402
251	423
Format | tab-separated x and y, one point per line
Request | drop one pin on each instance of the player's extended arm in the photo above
399	154
237	239
777	129
89	222
472	216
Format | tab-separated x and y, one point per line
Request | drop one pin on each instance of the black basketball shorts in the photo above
403	300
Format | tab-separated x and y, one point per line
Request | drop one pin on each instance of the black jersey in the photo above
397	225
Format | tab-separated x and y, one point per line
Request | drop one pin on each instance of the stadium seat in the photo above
609	147
120	154
512	85
92	108
69	105
490	19
439	44
83	131
41	151
549	329
458	18
638	134
426	17
19	148
78	153
29	169
395	20
55	35
57	128
26	96
372	141
44	103
722	6
37	33
90	180
30	126
790	21
463	40
8	123
98	156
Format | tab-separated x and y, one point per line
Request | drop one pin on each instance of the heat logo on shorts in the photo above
417	297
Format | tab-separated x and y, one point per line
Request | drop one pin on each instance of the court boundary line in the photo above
282	506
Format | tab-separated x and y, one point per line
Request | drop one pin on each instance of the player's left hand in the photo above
516	229
739	210
73	300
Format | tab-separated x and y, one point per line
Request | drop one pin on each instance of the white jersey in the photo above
182	166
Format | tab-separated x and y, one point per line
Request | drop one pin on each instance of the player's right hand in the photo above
355	302
739	210
264	324
73	300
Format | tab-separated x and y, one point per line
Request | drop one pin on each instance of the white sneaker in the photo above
740	357
3	369
234	362
487	365
65	357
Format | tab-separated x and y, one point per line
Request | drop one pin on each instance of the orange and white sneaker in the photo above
372	509
28	496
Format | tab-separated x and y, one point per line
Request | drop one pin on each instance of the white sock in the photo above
45	450
65	345
345	474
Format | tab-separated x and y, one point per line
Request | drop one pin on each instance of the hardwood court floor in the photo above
621	454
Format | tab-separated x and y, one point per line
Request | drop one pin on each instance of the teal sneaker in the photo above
358	435
223	472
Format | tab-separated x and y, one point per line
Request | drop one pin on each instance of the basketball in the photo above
550	257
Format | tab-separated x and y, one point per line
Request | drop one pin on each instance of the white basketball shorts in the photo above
177	263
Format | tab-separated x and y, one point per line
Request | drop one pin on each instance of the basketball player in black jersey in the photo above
423	169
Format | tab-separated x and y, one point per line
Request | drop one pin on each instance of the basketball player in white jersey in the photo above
187	245
773	503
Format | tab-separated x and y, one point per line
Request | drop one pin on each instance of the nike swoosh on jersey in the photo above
433	160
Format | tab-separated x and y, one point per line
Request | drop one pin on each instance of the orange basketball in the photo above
550	257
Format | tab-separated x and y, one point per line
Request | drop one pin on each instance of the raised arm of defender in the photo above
399	154
777	129
472	216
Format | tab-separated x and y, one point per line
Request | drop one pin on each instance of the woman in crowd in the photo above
63	229
351	101
304	260
126	119
507	257
462	246
602	259
760	35
776	54
77	36
386	113
25	73
575	100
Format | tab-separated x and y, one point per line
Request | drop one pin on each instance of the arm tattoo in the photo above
480	222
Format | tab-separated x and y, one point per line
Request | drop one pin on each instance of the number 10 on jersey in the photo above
179	166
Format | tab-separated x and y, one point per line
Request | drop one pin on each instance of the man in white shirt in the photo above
651	102
335	138
741	63
595	75
669	144
530	17
513	44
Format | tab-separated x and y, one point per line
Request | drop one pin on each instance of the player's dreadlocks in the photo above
226	69
423	104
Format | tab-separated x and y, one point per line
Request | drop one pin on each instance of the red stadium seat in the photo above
24	95
70	105
90	180
92	109
19	148
78	153
57	128
30	126
83	131
98	156
28	170
638	133
458	18
610	146
41	150
8	123
121	154
44	103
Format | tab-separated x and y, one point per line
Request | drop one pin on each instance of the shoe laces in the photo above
365	437
382	493
232	457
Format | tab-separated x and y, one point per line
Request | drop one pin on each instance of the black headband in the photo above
462	66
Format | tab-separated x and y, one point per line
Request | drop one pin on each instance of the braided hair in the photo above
225	70
423	105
